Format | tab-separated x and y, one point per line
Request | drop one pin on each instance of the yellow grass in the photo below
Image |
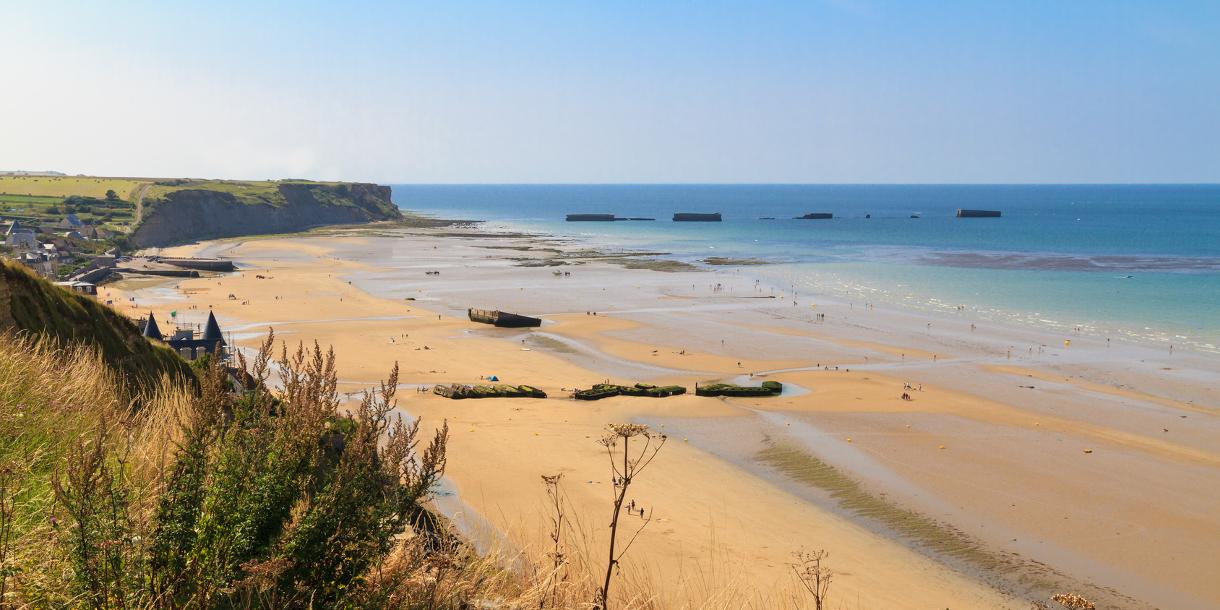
63	186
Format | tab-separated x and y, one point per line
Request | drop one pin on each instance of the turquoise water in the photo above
1134	261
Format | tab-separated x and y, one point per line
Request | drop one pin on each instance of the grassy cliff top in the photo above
278	193
129	189
246	191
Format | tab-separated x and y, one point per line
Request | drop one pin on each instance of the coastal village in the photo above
53	225
77	243
48	252
60	252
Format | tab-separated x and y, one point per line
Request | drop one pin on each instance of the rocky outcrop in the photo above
192	214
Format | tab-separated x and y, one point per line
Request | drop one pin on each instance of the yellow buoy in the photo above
941	447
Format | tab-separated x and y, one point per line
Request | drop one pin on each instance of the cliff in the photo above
181	211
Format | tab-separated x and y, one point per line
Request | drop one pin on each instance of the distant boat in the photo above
915	215
767	218
961	213
816	216
696	217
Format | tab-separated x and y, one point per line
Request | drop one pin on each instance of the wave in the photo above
1060	262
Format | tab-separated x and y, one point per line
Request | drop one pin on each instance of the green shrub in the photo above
273	500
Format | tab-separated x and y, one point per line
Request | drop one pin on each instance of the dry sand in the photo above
1014	472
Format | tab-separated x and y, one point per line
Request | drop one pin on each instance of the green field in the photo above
40	200
44	210
63	186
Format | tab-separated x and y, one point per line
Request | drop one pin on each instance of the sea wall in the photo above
188	215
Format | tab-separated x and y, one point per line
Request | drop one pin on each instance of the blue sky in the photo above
818	91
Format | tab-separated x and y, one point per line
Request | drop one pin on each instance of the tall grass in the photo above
233	496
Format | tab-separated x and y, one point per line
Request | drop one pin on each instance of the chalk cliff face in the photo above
193	214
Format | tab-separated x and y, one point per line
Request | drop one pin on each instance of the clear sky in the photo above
610	91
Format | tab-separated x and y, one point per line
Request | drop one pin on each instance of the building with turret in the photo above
185	342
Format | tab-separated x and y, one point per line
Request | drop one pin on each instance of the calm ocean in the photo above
1140	262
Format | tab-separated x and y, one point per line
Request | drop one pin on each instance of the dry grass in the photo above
50	398
64	186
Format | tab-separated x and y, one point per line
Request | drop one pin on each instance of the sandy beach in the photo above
1021	466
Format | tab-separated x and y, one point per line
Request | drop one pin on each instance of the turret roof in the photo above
211	331
151	330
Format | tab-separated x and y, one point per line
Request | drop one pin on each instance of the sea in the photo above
1128	262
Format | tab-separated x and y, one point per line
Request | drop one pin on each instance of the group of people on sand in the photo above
907	388
631	508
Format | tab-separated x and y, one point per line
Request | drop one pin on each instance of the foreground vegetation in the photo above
213	499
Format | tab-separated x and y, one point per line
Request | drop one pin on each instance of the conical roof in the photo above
151	330
211	331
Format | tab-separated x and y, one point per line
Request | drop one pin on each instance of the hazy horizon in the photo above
832	92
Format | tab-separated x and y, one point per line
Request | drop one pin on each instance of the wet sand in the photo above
1020	469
